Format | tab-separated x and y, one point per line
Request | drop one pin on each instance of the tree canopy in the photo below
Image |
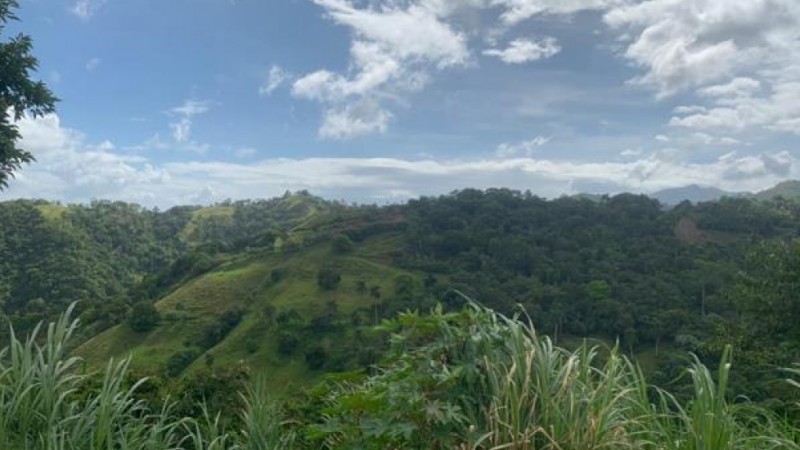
19	94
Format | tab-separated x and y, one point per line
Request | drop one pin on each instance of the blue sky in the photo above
193	101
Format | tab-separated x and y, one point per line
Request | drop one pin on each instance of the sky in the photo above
375	101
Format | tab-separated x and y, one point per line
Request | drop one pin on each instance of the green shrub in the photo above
143	317
341	244
328	279
180	360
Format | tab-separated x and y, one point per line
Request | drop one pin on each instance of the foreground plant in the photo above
480	381
470	380
48	402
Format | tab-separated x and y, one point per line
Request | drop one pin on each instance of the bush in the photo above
328	279
341	244
180	360
143	317
215	332
287	342
316	357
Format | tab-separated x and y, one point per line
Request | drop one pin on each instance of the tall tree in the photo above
19	94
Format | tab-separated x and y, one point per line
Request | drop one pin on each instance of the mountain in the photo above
787	189
694	193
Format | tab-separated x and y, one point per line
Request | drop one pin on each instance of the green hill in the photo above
292	286
789	190
261	287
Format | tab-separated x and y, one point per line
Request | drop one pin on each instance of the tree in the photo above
18	94
143	317
328	279
341	244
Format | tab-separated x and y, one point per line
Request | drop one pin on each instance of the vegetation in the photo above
143	317
19	94
306	281
468	379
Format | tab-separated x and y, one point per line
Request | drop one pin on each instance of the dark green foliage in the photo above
277	274
19	94
288	341
328	279
180	360
143	317
215	332
252	345
316	357
341	244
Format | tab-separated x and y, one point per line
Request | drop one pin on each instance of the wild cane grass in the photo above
533	396
46	403
547	398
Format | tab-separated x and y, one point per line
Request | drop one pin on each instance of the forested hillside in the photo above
103	255
295	285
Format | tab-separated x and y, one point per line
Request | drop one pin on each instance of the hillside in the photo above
789	190
692	193
615	268
293	286
272	291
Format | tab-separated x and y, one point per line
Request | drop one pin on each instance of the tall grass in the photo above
510	388
548	398
47	402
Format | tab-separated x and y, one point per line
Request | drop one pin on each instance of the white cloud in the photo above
276	77
55	77
355	120
245	152
520	51
411	33
777	110
516	11
182	128
525	148
86	9
631	153
394	50
191	108
71	169
93	64
738	87
740	57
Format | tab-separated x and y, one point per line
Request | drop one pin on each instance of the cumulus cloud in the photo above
276	77
72	169
364	117
394	49
398	46
740	57
520	51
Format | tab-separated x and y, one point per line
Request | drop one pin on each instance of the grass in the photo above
48	403
507	388
244	282
52	212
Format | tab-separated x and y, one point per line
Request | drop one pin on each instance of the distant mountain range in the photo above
696	193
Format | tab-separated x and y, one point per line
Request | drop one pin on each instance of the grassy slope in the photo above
244	282
52	212
787	189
